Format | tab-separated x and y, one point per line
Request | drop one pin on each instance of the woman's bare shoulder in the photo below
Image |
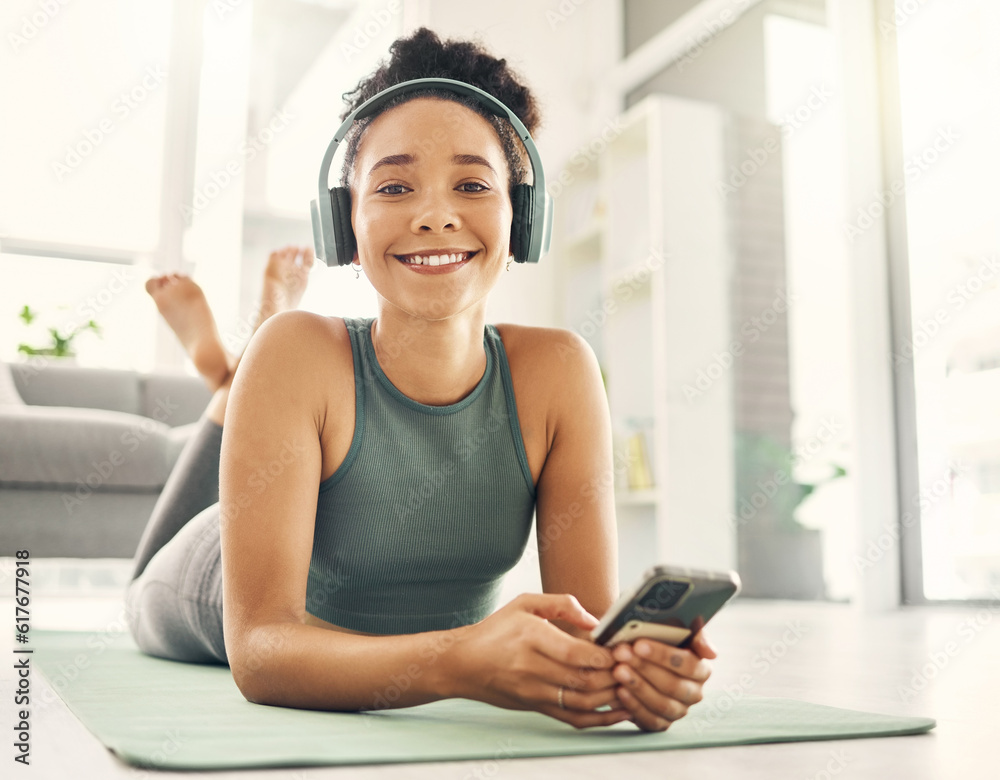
301	332
555	375
549	367
302	348
545	350
309	322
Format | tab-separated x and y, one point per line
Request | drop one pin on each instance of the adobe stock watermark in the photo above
937	661
928	496
35	23
762	662
365	32
64	675
443	473
590	491
759	156
221	178
104	469
444	470
491	767
169	745
328	584
223	8
556	16
95	304
122	107
122	277
902	12
704	38
235	339
33	366
913	171
836	764
271	639
584	157
621	290
751	331
925	329
261	478
435	645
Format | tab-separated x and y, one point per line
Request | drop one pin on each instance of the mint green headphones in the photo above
531	226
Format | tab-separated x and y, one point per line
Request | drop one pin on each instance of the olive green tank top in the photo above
430	508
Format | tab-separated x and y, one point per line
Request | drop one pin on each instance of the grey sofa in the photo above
84	458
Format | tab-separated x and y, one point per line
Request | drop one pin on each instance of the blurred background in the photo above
775	225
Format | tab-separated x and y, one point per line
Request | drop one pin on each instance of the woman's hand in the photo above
659	682
518	660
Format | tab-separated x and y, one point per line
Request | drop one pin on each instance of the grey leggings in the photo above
174	601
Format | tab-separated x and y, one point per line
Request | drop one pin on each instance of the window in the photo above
84	89
66	294
949	68
804	99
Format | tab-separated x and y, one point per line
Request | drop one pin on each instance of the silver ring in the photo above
562	706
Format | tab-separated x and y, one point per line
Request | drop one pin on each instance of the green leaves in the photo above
60	345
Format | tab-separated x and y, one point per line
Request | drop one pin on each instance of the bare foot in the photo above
285	280
182	304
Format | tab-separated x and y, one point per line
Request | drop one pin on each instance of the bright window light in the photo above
66	294
83	86
803	98
949	70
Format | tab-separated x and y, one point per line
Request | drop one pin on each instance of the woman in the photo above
379	476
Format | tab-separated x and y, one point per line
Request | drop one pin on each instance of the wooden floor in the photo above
824	653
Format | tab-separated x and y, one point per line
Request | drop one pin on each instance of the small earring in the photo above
509	259
357	270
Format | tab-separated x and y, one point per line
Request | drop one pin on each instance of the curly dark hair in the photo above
424	55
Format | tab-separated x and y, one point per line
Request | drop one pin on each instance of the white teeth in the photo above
437	259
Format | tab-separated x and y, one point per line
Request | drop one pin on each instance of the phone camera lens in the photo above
664	595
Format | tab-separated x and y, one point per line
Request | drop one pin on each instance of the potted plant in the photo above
778	556
60	344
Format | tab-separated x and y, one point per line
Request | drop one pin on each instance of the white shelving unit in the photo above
642	242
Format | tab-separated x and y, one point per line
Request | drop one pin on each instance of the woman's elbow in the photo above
250	677
255	659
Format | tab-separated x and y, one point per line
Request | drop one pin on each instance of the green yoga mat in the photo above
172	715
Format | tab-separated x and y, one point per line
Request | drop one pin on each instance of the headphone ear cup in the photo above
340	201
522	201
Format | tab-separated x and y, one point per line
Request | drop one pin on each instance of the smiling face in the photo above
430	185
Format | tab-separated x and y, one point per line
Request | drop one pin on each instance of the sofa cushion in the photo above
8	391
86	449
46	382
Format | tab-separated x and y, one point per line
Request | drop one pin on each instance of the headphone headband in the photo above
539	206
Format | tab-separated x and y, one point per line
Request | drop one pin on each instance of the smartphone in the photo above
670	604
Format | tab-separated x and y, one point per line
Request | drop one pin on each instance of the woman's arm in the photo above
575	508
